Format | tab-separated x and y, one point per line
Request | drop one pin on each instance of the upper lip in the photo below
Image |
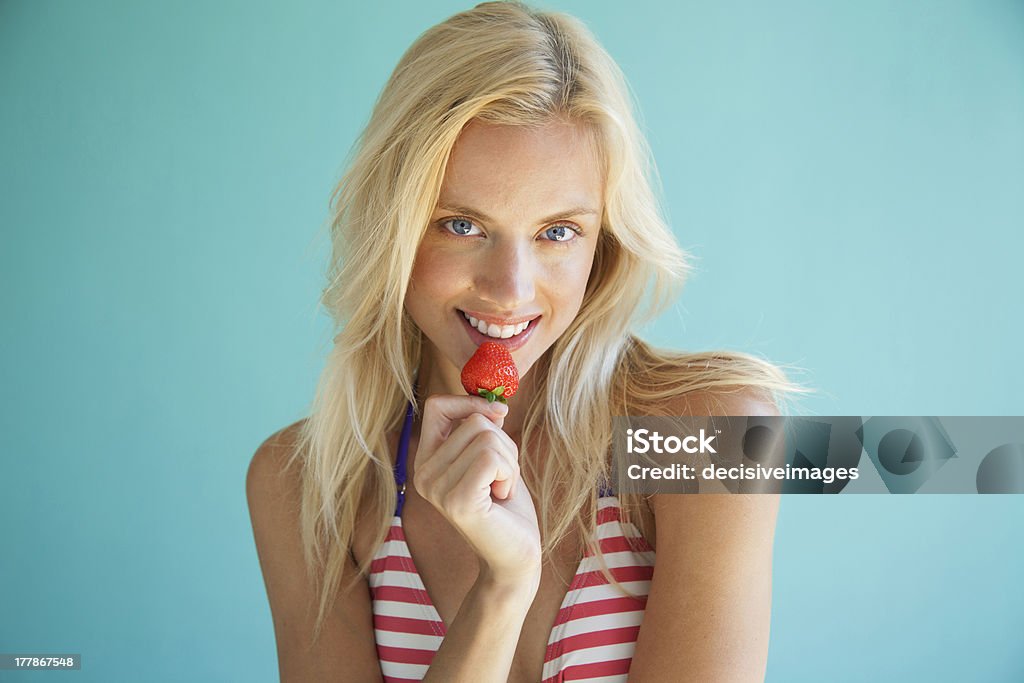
500	322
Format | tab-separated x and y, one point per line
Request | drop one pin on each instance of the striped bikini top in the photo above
594	633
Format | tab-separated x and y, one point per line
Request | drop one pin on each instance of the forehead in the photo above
513	167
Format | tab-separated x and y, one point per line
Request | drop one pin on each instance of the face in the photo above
512	239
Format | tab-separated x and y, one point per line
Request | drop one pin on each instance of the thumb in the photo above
442	412
498	411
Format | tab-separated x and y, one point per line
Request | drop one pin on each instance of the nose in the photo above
505	275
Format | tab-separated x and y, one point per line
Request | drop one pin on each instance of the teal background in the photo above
850	176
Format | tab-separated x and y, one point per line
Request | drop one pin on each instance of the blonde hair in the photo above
502	63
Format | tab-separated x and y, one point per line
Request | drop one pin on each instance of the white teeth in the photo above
496	331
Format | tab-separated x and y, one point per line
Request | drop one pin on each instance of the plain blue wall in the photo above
850	176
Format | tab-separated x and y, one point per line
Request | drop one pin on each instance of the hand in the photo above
471	475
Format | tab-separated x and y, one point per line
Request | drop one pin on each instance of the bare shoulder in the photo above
672	511
273	471
345	649
270	470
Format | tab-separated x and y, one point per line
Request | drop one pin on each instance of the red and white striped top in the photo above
594	633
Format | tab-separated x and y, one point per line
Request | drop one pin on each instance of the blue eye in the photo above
460	226
562	231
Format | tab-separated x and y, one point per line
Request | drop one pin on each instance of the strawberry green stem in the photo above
493	395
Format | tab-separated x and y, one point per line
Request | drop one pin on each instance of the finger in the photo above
447	464
431	466
483	445
503	490
465	495
463	435
442	411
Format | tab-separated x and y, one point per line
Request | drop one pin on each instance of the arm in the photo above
709	610
458	470
345	650
482	640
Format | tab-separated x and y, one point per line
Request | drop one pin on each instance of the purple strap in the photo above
403	453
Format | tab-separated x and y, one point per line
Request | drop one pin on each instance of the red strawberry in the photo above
491	373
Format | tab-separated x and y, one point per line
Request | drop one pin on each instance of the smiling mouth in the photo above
498	331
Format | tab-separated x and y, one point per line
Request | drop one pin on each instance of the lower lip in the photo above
512	343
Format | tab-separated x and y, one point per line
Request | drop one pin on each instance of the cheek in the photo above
567	282
435	278
426	276
420	283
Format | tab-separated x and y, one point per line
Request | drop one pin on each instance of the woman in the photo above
409	531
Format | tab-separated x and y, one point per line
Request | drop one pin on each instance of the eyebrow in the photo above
476	213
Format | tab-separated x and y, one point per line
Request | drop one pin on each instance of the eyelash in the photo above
443	223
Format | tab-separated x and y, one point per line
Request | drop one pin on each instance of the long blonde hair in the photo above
503	63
